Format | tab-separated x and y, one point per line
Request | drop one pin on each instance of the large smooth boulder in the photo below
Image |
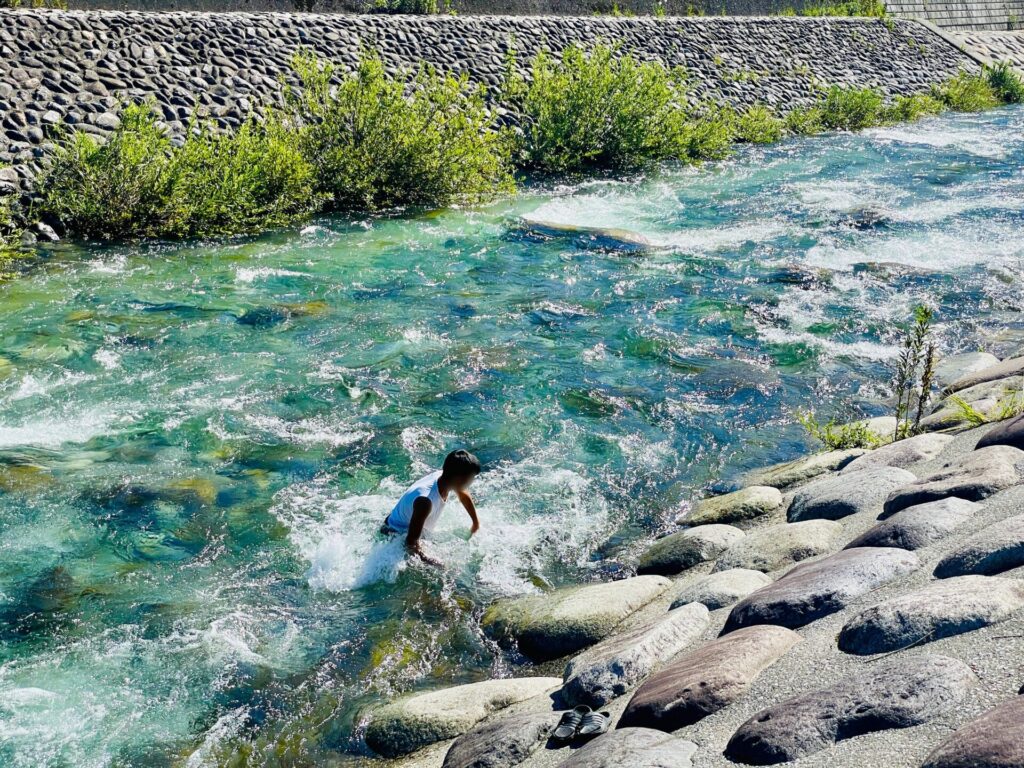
774	547
501	743
745	504
412	722
919	526
994	740
954	367
901	454
1014	366
677	552
839	496
899	694
994	549
633	748
941	609
706	679
717	590
974	477
1009	432
813	590
612	667
565	621
801	470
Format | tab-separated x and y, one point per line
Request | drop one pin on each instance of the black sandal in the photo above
595	723
570	723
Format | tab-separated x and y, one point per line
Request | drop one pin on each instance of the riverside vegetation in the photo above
371	141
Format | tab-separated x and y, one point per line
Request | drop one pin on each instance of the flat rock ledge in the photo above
813	590
721	589
739	506
902	454
556	624
680	551
974	477
994	549
633	748
839	496
502	743
775	547
941	609
801	470
900	694
612	667
412	722
706	679
917	527
994	740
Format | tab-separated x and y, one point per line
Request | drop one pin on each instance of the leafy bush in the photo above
405	6
138	185
1007	84
839	437
373	146
759	125
8	233
908	109
603	109
851	109
967	93
805	121
871	8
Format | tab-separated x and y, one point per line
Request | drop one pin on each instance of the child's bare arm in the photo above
420	512
467	502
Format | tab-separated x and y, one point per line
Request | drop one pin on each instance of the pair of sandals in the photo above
581	722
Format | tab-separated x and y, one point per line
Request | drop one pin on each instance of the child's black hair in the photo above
462	463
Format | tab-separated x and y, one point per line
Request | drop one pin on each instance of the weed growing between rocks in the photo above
8	234
915	374
839	437
870	8
968	93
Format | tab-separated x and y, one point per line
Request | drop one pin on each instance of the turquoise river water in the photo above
198	442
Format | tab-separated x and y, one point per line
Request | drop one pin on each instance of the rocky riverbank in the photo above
75	68
852	608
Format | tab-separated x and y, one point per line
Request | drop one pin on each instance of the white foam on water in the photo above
108	358
708	240
971	139
57	430
228	725
248	275
318	430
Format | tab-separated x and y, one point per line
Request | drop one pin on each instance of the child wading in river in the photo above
419	509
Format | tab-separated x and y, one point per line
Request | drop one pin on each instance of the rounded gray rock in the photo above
833	498
919	526
723	588
677	552
994	549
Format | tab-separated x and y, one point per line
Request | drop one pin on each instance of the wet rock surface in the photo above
839	496
898	694
745	504
813	590
706	679
994	549
723	588
994	740
613	667
774	547
409	723
920	526
679	551
941	609
502	743
633	748
974	477
567	620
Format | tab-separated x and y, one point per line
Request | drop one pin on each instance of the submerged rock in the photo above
899	694
612	667
974	477
919	526
502	743
412	722
774	547
941	609
994	740
602	238
833	498
901	454
558	623
707	679
264	317
677	552
717	590
994	549
746	504
633	748
793	472
813	590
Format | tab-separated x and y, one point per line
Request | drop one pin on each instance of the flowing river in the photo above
198	442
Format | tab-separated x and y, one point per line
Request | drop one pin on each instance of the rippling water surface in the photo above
198	443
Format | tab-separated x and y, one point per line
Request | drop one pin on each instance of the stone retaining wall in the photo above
963	14
75	67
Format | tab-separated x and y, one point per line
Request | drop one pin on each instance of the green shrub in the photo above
373	146
871	8
605	109
967	93
8	234
758	125
405	6
805	121
839	437
908	109
851	109
1007	84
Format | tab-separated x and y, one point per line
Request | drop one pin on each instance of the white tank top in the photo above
425	487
